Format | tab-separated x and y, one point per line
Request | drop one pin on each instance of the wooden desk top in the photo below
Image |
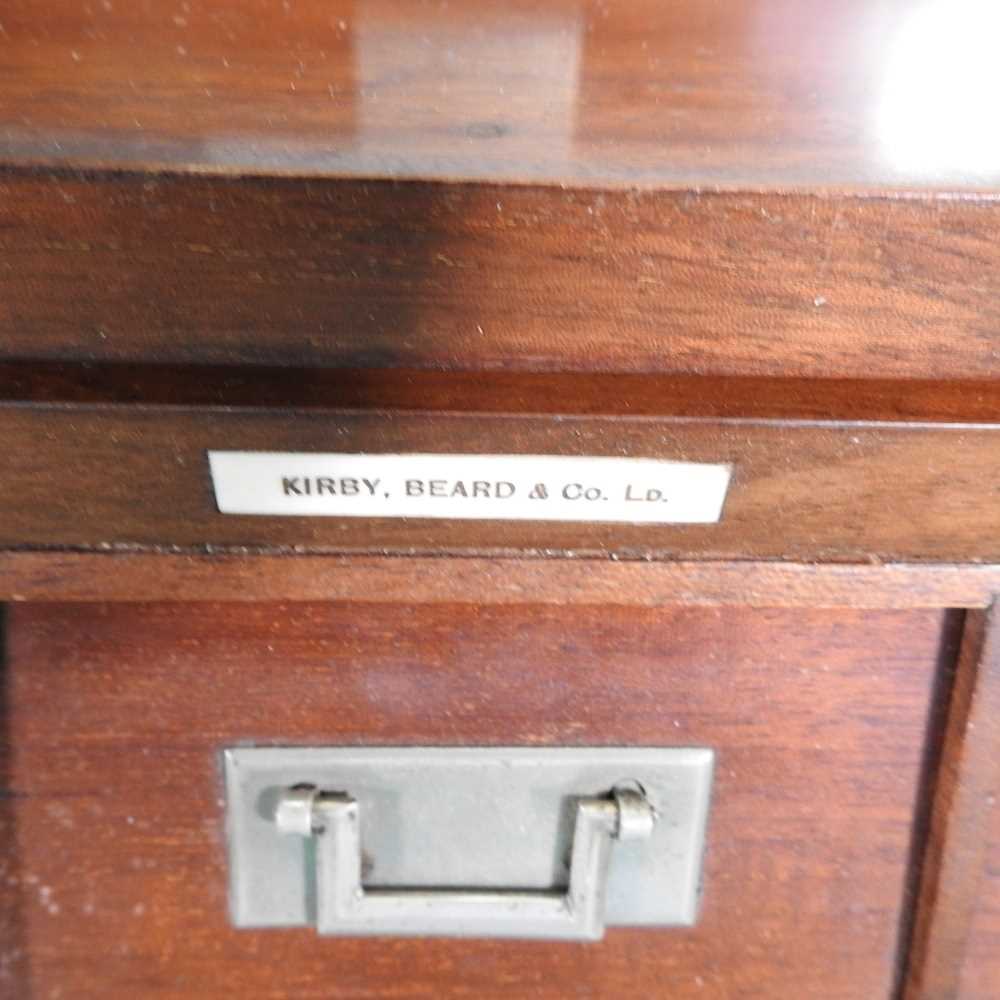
750	94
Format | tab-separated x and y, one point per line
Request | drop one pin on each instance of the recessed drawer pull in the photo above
345	906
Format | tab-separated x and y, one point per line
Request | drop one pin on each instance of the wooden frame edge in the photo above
145	576
966	787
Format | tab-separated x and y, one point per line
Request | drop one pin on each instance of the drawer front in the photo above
113	819
109	477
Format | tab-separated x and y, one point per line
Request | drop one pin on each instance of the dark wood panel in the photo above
355	274
14	974
94	478
594	394
133	576
117	714
748	92
958	890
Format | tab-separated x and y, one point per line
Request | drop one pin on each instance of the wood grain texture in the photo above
557	393
103	477
981	968
747	93
359	274
13	950
132	576
957	888
118	713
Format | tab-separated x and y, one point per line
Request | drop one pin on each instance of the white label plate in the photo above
469	487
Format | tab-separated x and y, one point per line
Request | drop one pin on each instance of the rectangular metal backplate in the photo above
453	817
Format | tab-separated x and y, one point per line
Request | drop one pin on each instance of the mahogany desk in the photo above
760	233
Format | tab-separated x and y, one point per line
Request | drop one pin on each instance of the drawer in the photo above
821	719
137	478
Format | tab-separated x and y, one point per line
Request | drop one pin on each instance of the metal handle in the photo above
345	906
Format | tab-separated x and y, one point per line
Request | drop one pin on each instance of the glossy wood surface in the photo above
95	478
362	275
744	93
117	715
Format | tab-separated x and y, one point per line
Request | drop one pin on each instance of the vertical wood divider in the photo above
964	793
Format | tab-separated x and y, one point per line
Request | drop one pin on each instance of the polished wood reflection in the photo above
743	93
